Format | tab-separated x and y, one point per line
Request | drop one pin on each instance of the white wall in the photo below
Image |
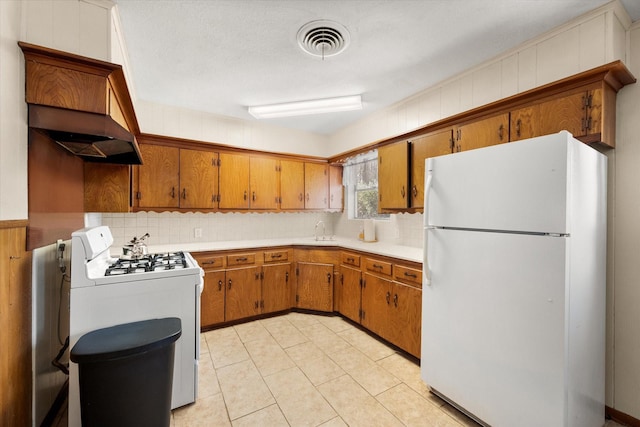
623	293
13	115
180	122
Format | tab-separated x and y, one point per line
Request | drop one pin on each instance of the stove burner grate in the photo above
147	263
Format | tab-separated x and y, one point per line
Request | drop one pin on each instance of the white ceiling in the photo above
221	56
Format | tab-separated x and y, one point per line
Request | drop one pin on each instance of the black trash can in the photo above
126	373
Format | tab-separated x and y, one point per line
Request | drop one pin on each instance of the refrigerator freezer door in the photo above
520	186
493	338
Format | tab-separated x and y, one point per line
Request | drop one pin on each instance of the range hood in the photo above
92	136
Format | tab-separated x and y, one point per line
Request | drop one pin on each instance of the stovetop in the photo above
147	263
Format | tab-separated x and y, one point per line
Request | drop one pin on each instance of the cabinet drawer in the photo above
241	259
408	275
208	262
380	267
350	259
276	256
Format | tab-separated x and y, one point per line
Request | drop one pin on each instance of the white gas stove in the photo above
107	291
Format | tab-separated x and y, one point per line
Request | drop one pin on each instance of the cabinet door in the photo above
106	187
405	318
393	176
422	148
276	293
243	293
491	131
376	299
335	187
263	183
212	299
565	113
595	112
291	184
349	287
316	185
234	181
198	179
315	286
158	177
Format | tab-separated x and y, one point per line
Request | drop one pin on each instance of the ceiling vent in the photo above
323	38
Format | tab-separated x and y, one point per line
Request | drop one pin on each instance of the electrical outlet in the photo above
197	233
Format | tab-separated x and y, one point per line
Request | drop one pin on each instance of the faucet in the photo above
315	230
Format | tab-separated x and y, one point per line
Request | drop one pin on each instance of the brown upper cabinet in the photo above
234	181
106	187
176	178
198	179
159	178
316	185
423	147
335	188
291	185
263	183
393	176
482	133
579	113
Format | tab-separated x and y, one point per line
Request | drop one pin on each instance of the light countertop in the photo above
406	253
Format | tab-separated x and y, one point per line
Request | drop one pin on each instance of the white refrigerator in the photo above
513	310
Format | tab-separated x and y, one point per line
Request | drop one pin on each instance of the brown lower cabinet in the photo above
243	293
349	290
234	290
382	294
315	286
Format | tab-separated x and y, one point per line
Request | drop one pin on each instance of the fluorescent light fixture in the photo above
301	108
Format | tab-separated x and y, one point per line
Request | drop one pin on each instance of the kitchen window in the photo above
360	178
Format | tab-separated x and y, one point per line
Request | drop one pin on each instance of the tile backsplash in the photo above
177	227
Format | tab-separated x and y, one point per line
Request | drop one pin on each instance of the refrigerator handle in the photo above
425	260
427	192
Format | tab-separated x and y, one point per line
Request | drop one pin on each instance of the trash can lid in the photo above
125	340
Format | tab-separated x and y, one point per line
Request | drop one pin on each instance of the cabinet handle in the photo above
518	124
328	277
388	297
350	260
173	192
256	305
229	284
501	132
377	266
276	255
307	197
407	274
286	277
253	196
208	262
245	195
241	259
415	191
331	198
219	285
402	192
300	197
395	300
184	193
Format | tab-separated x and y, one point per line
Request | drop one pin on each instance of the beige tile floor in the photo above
308	370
